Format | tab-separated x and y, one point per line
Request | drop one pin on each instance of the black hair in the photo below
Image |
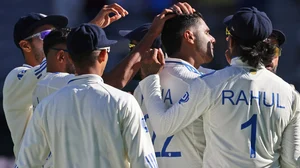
56	36
85	59
172	32
261	52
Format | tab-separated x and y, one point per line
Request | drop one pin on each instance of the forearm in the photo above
123	72
127	68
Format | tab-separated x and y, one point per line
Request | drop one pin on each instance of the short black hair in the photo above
172	32
56	36
85	59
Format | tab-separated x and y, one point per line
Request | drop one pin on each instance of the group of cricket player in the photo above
64	111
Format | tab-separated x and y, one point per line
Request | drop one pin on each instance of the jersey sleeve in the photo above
35	98
34	149
34	73
138	95
17	99
137	138
166	122
290	155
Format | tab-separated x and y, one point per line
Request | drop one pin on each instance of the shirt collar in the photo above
26	65
29	66
236	61
86	78
182	62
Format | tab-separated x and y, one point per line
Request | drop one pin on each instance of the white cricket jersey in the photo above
50	83
205	70
179	148
251	116
88	124
17	99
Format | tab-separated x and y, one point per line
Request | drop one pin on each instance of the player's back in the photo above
247	124
17	99
50	83
185	147
89	124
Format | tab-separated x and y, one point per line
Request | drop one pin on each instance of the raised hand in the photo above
181	8
159	21
152	62
103	19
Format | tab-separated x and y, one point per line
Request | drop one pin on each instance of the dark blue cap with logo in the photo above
138	33
87	38
27	24
249	25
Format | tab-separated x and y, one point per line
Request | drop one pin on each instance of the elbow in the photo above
119	84
122	83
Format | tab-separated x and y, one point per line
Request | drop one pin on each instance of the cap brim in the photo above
125	33
279	35
108	43
57	21
227	20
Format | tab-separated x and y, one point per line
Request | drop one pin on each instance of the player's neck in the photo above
31	61
185	57
53	70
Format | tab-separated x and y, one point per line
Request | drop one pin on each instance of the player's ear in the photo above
60	56
102	56
25	46
189	36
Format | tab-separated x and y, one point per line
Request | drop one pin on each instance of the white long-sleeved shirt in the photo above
17	99
88	124
251	116
183	148
49	84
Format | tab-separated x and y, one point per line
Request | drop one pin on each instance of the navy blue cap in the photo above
279	35
27	24
138	33
87	38
249	25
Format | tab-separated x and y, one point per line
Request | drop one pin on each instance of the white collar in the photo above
182	62
86	78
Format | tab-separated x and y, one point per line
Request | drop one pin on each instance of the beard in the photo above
272	69
70	68
205	50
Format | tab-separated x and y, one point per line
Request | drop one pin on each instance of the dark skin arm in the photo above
126	69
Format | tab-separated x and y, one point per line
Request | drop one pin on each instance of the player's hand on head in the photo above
159	21
109	14
152	62
178	8
181	8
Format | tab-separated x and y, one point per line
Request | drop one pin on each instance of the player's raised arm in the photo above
17	95
169	121
125	71
290	155
137	138
34	149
